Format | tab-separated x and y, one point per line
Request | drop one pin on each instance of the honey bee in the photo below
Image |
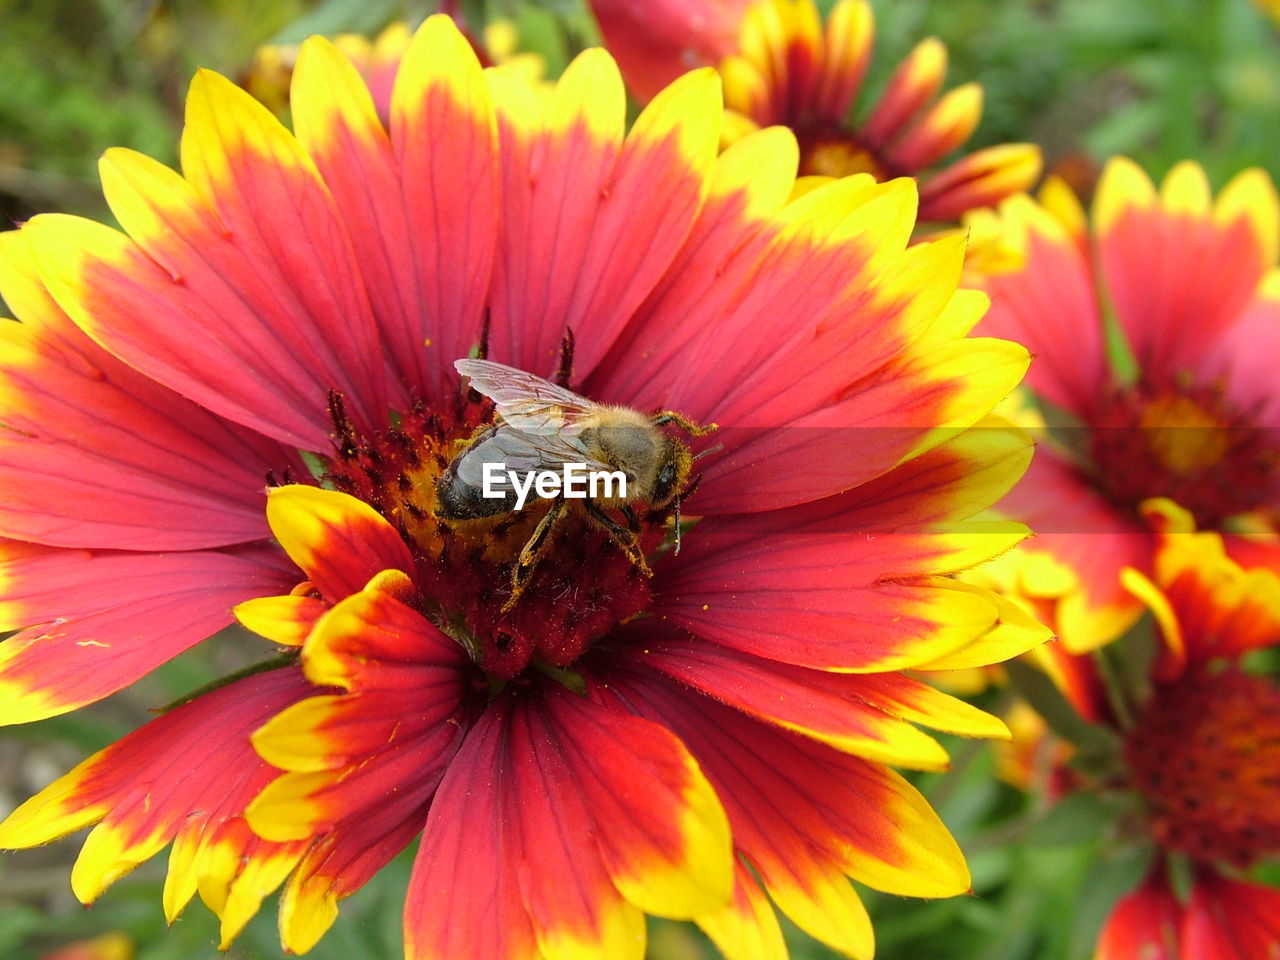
543	427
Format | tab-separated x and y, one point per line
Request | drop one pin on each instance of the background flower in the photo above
784	63
1150	333
1192	748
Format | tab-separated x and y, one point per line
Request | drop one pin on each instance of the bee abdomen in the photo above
457	500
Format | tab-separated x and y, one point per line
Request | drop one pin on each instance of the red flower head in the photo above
1187	408
782	64
610	730
657	41
1202	749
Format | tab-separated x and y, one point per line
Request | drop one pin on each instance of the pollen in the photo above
1188	444
1205	754
582	588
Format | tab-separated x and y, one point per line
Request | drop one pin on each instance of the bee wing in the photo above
525	452
526	402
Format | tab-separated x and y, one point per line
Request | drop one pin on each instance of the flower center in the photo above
1206	755
583	583
1187	444
829	151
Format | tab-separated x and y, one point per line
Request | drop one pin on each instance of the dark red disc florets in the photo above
1205	754
582	587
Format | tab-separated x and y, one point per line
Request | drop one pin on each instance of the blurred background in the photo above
1157	80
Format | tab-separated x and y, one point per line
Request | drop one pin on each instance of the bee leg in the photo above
663	417
532	552
633	522
624	538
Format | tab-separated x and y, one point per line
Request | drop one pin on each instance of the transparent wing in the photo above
527	403
523	453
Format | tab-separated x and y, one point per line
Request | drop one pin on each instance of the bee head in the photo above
674	467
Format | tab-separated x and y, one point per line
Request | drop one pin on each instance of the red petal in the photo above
1080	530
255	317
362	766
1144	925
804	814
785	588
752	181
444	138
1050	306
339	542
1231	920
1240	359
655	42
1177	278
470	859
97	455
552	808
130	613
146	790
814	703
583	242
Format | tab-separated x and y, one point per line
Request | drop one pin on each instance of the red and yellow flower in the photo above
285	314
656	42
1154	335
1201	747
378	58
788	67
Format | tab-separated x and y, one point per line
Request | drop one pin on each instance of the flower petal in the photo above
427	317
1080	531
340	542
1049	304
752	181
1177	276
649	828
842	814
97	455
470	858
144	792
1231	920
787	586
209	297
450	198
573	253
805	701
1144	924
746	929
341	862
132	612
405	687
980	179
1239	360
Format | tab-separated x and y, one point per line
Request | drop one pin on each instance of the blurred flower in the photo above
783	66
611	744
1222	919
1202	748
1155	338
791	68
656	41
1270	7
1033	759
109	946
269	75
